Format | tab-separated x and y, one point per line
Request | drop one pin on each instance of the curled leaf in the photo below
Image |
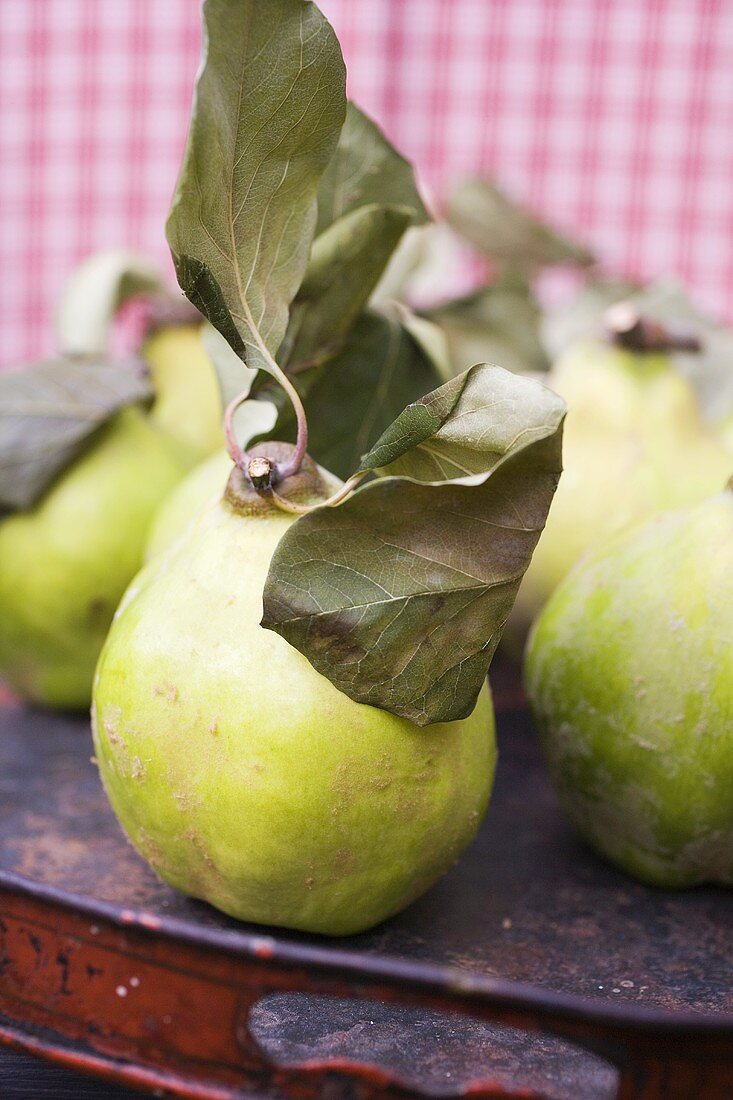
47	414
95	292
399	595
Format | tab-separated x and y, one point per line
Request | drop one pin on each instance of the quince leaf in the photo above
399	595
367	199
498	323
481	213
366	169
269	107
49	411
351	400
346	263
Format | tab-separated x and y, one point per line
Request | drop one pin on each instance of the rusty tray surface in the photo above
528	944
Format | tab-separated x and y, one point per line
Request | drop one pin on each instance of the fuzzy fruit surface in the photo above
200	486
634	444
207	480
247	779
187	402
629	671
65	563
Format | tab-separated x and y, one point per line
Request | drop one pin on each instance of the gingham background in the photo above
615	117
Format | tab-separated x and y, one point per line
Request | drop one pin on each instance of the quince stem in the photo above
630	329
263	473
239	456
301	442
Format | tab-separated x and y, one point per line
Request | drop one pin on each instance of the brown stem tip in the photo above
628	328
308	489
260	473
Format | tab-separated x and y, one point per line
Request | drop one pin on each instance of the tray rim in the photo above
103	1068
461	984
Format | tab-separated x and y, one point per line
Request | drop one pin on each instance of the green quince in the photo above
187	396
186	500
66	561
246	778
629	671
634	444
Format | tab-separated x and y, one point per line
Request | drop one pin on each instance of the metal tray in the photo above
532	969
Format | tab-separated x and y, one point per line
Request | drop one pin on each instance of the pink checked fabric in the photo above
613	117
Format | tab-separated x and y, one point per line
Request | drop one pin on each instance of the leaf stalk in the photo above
301	441
331	502
244	460
238	455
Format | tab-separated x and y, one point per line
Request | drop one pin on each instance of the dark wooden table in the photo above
23	1077
529	929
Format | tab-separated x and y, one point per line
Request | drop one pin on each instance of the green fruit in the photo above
188	400
189	497
634	444
207	479
629	672
246	778
65	563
